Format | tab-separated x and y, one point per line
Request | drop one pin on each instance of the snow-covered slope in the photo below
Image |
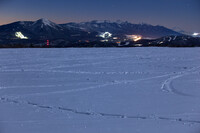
124	28
176	41
45	23
113	90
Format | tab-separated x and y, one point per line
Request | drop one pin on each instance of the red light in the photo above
47	42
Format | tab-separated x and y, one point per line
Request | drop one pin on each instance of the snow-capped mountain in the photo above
45	29
45	24
40	29
124	28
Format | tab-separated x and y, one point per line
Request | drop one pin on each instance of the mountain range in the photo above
45	29
45	33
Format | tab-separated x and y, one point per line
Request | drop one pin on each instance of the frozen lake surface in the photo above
100	90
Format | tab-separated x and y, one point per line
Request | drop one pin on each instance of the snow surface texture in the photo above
97	90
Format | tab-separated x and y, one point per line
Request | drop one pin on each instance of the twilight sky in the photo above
184	14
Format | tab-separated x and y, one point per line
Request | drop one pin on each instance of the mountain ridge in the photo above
46	29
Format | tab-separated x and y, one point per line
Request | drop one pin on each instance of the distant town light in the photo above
105	35
104	40
115	38
138	45
135	38
20	35
161	42
196	34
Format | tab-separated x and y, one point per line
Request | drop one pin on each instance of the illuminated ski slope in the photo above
97	90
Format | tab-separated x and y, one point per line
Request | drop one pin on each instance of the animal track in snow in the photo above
86	113
168	84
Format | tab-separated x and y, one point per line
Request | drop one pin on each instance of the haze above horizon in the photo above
182	14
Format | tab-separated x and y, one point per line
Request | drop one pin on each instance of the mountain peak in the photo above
45	21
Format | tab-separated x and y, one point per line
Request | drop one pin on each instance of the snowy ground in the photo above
97	90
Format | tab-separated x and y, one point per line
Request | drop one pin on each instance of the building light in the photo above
118	42
20	35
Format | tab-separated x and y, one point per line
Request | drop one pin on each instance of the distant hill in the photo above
168	41
176	41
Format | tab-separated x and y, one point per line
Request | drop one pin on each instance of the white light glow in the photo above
161	42
135	38
115	38
106	35
196	34
20	35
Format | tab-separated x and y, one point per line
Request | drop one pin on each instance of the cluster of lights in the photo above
20	35
106	35
135	38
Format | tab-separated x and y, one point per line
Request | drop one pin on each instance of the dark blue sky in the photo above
184	14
